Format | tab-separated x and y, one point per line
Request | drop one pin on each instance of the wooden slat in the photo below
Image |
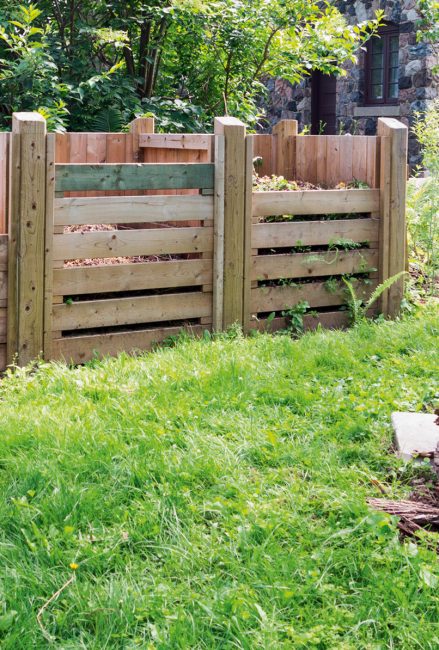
4	176
3	325
79	349
282	133
328	320
263	147
315	202
129	311
4	241
187	141
313	233
3	288
48	243
76	280
316	294
218	235
333	159
116	177
322	161
359	158
127	243
346	154
301	265
133	209
3	357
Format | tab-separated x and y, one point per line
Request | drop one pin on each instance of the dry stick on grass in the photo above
42	609
417	513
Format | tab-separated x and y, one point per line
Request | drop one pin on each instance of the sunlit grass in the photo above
214	496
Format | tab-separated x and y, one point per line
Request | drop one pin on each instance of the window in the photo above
382	67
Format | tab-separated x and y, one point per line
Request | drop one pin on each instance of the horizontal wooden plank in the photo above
2	357
133	176
79	349
302	265
316	294
128	243
186	141
314	233
128	311
3	325
328	320
266	204
4	242
132	209
131	277
3	286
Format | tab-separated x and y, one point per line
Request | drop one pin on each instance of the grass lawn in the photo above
214	496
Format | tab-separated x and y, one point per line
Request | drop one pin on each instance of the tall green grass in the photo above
214	496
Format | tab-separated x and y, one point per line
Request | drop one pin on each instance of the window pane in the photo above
377	77
394	59
377	91
393	91
377	45
394	43
393	75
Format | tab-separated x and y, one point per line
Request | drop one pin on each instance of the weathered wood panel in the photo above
316	294
131	277
4	176
307	265
313	233
128	176
128	243
133	209
130	311
79	349
264	148
184	141
328	320
315	202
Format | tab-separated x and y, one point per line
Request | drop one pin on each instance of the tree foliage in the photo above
88	63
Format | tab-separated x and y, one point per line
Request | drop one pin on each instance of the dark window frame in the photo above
385	34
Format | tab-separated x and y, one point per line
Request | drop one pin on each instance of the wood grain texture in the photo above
78	280
328	320
393	206
218	235
284	147
308	265
128	243
313	233
315	202
184	141
316	294
234	218
79	349
4	181
28	213
133	209
129	311
128	176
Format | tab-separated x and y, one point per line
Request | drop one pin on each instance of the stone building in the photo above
393	78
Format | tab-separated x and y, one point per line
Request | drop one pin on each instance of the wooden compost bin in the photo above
118	241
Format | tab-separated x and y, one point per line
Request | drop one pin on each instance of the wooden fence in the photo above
113	242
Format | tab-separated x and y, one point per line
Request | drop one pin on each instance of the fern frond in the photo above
383	287
354	304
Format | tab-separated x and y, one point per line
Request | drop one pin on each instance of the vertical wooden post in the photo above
27	235
284	148
233	131
138	126
393	231
218	235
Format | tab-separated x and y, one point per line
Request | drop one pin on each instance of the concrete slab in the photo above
415	432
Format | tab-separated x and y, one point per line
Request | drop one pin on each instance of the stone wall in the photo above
417	84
